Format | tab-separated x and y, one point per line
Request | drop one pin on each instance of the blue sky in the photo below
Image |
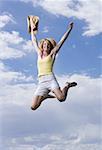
79	59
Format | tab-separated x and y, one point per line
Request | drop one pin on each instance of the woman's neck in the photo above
44	54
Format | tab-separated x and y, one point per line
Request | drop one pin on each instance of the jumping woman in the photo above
47	50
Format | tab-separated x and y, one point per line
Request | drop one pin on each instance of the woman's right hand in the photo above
32	24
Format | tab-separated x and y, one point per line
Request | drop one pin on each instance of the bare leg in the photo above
62	94
37	100
65	91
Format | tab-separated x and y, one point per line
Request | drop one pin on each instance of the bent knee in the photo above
61	98
34	107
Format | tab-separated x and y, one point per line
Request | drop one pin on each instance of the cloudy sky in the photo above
74	124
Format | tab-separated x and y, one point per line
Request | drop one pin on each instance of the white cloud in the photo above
5	18
89	11
71	147
11	38
10	76
89	133
11	83
58	147
77	120
12	45
86	85
20	94
62	144
86	91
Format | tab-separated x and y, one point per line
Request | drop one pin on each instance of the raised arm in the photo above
33	37
34	40
64	37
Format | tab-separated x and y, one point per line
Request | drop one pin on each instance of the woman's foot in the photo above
71	84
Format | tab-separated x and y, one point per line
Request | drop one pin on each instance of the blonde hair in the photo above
51	41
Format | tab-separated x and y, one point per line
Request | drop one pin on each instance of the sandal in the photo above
71	84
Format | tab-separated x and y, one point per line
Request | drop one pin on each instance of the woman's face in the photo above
46	46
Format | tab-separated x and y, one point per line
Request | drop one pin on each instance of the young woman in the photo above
47	50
